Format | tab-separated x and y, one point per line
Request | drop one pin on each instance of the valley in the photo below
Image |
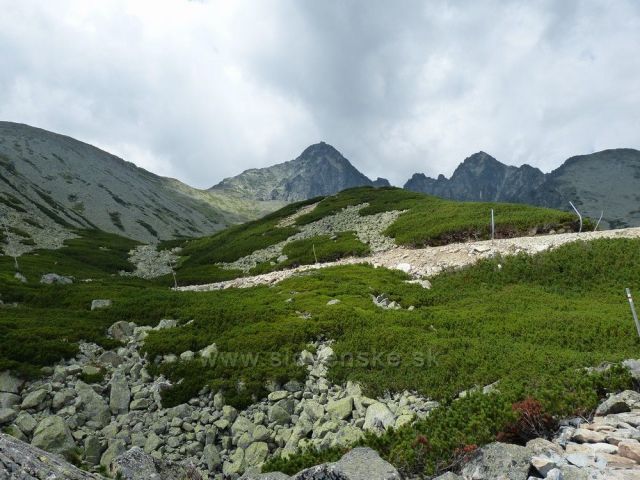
393	317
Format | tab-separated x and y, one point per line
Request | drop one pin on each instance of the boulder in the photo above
166	323
9	400
208	351
211	457
378	418
620	402
138	465
340	409
101	303
115	449
255	455
242	425
499	460
9	383
34	399
629	449
7	415
26	423
359	464
19	459
121	330
279	415
93	405
51	278
92	450
584	435
53	435
120	395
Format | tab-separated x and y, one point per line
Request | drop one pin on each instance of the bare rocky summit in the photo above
319	170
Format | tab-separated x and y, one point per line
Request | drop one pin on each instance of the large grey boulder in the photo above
378	418
135	464
499	460
9	400
619	403
94	406
359	464
22	461
121	330
9	383
120	395
35	399
53	435
7	415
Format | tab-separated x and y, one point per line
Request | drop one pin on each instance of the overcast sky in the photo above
201	90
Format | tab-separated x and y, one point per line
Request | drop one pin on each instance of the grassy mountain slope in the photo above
51	179
426	221
530	323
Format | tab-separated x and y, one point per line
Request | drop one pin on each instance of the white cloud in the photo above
204	90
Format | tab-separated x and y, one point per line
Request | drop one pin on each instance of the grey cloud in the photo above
204	90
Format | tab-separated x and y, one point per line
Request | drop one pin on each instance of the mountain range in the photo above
604	183
47	178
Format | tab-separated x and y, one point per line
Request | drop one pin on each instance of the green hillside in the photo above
426	221
531	323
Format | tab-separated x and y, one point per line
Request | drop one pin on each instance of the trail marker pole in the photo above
313	245
493	226
633	311
579	216
601	214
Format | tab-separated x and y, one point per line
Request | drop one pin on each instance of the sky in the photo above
202	90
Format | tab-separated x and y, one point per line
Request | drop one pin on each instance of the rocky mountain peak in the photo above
319	170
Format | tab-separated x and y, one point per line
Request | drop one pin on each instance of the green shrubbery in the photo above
533	323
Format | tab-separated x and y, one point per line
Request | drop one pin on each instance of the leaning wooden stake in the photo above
633	311
579	216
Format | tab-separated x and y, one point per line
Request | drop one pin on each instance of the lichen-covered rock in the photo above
22	461
135	464
53	435
499	460
359	464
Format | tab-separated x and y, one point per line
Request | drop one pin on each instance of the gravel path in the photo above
426	262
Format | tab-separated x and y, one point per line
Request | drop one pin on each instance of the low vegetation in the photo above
531	323
427	221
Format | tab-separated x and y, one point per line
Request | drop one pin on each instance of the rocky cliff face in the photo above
319	170
605	181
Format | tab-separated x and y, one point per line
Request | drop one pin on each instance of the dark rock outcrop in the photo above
319	170
604	182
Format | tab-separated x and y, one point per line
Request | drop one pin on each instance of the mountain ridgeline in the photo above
319	170
603	182
50	183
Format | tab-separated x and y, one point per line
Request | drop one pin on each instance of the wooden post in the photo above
313	245
493	226
633	311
